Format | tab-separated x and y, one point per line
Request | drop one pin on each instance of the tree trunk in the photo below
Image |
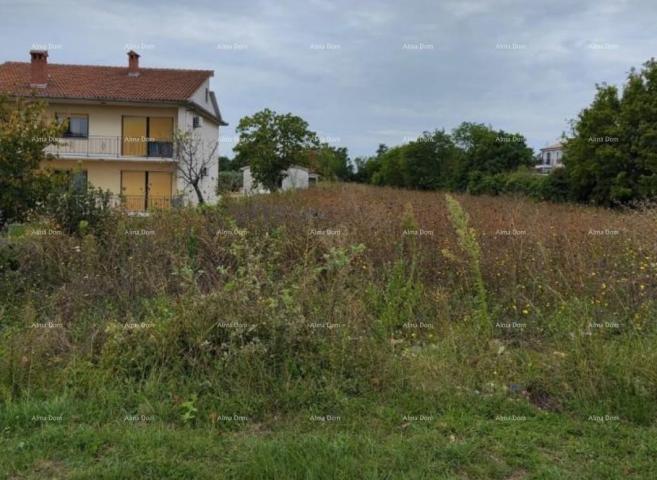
199	194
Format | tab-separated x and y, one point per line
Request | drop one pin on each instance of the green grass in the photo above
231	349
458	444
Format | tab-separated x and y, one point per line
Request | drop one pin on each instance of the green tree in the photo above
25	131
331	162
226	164
392	170
229	181
368	167
611	156
270	143
593	165
430	160
487	151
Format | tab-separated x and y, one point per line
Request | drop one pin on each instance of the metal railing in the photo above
112	147
141	203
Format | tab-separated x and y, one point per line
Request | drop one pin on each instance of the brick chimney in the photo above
39	68
133	64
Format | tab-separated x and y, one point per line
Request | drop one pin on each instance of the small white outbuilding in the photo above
296	177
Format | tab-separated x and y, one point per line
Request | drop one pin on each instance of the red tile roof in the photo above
92	82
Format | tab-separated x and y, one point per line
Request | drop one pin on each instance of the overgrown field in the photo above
340	332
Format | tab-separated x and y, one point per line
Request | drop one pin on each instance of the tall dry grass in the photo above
335	292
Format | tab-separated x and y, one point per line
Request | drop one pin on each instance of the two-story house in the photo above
550	157
120	123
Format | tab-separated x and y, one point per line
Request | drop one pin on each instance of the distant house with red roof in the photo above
120	123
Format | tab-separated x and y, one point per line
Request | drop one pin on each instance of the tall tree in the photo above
368	167
332	163
392	170
270	143
593	157
25	131
487	151
430	161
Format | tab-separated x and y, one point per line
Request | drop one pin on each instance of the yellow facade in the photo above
127	178
107	174
118	153
106	120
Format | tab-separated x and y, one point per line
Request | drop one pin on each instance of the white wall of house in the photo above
295	178
209	135
200	97
249	185
552	157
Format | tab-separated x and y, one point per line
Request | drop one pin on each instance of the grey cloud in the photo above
364	72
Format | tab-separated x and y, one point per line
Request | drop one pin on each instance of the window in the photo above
207	95
76	126
77	179
196	122
547	155
148	136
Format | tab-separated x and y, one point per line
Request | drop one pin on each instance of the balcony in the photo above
107	147
141	203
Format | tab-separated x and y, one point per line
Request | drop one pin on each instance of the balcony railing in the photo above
112	147
140	203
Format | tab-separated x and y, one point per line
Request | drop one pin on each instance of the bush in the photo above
229	182
523	181
75	206
556	186
480	184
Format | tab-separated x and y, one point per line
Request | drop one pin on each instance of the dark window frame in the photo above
66	117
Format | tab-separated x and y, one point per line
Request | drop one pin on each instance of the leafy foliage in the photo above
438	160
331	163
270	143
229	181
76	206
25	130
611	158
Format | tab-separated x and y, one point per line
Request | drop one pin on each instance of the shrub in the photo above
523	182
76	206
229	182
556	186
480	184
520	182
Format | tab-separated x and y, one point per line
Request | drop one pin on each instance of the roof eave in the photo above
122	101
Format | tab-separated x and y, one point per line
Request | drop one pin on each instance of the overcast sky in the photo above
362	72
